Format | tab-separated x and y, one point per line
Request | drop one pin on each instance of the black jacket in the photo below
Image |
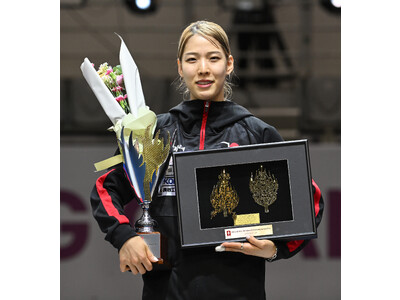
194	273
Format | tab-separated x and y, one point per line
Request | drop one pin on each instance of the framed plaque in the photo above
262	190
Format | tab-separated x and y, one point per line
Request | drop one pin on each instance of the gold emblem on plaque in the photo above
264	188
224	197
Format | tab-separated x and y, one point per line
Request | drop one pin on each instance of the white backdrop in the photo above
90	266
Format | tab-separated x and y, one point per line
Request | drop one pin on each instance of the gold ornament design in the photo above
264	188
154	152
224	197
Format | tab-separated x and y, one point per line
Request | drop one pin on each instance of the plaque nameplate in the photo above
247	219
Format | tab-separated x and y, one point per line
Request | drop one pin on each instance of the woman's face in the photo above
204	68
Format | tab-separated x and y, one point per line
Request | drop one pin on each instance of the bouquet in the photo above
119	91
114	80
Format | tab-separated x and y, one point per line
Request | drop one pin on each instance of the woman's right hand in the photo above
136	256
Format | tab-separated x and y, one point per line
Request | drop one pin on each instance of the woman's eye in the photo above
190	59
214	58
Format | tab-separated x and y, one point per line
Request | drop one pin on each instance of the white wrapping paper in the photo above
131	79
103	95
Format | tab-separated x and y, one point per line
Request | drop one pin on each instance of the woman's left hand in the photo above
253	246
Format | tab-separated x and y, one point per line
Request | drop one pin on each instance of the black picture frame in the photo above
290	217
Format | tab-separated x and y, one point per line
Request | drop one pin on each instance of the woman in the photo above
207	120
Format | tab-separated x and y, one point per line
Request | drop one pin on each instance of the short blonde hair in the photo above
210	31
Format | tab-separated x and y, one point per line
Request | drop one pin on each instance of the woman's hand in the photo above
253	246
136	256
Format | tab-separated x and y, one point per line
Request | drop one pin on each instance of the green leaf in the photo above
117	70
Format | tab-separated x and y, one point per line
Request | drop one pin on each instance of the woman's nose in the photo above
203	67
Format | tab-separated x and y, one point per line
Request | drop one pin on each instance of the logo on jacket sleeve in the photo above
167	186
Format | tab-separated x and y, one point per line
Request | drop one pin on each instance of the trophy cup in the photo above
145	161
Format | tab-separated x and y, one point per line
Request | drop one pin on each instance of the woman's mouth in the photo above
204	83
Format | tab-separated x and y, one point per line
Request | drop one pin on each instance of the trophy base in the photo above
156	244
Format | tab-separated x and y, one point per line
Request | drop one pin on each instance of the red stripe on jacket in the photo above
317	197
293	245
107	201
203	125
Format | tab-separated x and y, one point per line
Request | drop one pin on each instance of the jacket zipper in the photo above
203	125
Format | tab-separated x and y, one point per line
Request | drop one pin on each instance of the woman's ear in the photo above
179	67
229	65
